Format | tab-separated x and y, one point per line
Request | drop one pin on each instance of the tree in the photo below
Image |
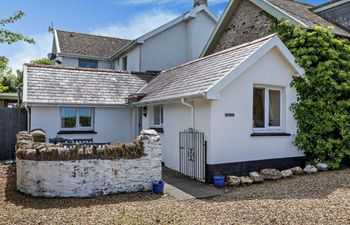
7	78
43	61
323	108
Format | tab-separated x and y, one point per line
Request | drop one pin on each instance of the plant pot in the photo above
158	187
219	181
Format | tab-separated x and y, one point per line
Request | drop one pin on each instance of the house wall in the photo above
247	24
231	139
174	46
339	14
111	124
74	62
177	118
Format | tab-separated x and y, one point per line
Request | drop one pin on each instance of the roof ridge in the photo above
96	35
224	51
90	69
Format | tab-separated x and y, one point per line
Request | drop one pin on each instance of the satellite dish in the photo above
52	56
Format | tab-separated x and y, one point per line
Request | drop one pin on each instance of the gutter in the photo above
183	102
28	117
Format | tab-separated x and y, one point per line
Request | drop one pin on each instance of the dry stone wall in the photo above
92	177
247	24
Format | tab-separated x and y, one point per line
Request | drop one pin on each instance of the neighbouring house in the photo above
239	98
336	11
247	20
8	100
174	43
81	102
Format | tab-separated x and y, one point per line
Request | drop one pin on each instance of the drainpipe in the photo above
192	111
28	116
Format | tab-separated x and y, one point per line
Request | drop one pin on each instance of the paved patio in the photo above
183	187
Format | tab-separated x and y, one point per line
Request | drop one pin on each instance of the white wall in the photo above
111	124
177	118
74	62
133	60
231	139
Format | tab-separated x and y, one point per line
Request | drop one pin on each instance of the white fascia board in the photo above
214	91
84	56
38	104
276	12
25	83
56	41
329	6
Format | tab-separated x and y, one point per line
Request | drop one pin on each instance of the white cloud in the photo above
138	25
21	53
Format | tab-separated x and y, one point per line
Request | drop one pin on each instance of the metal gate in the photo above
193	154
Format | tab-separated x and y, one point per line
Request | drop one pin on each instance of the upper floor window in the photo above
125	63
267	108
85	63
76	118
158	116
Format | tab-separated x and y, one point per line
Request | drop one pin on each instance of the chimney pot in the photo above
200	2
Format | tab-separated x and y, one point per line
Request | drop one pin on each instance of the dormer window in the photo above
125	63
86	63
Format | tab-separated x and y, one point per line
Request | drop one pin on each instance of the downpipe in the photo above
28	117
183	102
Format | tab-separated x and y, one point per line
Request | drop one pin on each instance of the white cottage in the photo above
227	113
237	100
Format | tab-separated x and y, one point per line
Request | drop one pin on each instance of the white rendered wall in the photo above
87	178
231	139
177	118
133	60
111	124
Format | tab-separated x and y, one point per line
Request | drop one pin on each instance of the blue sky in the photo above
122	18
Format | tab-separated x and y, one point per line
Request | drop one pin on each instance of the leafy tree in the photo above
43	61
323	107
7	78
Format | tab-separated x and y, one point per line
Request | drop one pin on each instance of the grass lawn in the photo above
323	198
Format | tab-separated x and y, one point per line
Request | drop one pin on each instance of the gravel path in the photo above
323	198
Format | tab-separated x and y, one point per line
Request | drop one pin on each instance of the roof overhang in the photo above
9	96
62	104
329	5
214	91
83	56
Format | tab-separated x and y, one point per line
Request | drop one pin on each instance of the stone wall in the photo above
92	177
248	23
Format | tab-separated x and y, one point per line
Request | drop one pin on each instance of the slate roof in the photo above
89	45
303	12
196	77
66	85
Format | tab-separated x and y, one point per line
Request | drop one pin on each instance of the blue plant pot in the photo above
158	187
219	181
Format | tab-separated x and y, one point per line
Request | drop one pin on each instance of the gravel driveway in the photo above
323	198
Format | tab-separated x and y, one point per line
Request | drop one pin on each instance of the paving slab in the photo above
183	187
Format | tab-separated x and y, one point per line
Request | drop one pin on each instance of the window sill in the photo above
77	132
158	129
270	134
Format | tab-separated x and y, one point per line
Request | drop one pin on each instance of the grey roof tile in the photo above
64	85
89	45
198	76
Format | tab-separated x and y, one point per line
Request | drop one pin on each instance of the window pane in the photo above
156	114
88	63
161	115
259	108
85	117
125	63
274	108
68	117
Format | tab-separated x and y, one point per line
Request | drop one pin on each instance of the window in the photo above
85	63
125	63
76	118
158	116
267	108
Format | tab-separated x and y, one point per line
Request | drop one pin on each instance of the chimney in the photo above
200	2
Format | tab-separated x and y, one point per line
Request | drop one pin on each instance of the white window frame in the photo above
268	128
77	117
161	116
